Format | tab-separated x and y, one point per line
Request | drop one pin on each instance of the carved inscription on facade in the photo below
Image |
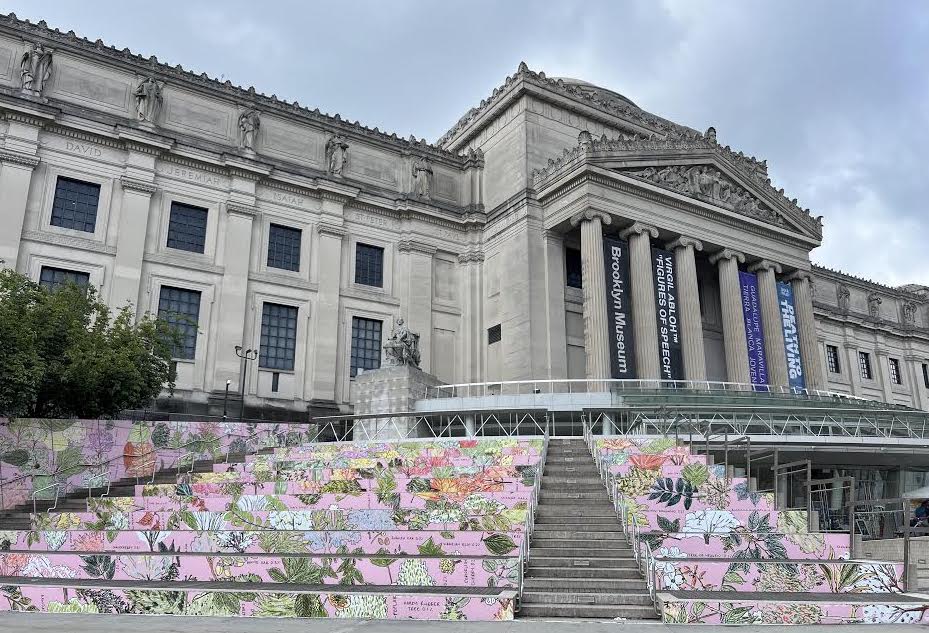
83	149
371	219
192	175
288	198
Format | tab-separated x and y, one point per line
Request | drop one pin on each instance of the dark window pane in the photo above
926	375
187	227
895	376
75	205
832	359
181	309
864	364
366	344
52	278
572	264
284	247
369	265
278	337
494	334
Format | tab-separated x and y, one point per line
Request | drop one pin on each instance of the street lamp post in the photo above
226	398
246	356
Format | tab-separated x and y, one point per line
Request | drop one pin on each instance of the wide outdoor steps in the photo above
580	565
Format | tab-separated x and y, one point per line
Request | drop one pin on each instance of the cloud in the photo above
834	94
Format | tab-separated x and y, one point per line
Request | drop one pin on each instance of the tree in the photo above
63	353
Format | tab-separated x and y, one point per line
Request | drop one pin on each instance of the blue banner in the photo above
754	333
785	297
669	335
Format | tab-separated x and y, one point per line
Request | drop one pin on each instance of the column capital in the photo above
727	253
763	265
471	256
332	230
800	275
589	214
139	186
683	241
637	229
18	158
414	246
236	208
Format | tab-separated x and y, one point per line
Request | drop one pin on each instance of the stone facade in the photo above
479	232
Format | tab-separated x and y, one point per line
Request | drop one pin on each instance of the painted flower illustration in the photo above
290	520
413	573
709	522
41	567
252	503
648	462
367	607
54	540
374	520
146	567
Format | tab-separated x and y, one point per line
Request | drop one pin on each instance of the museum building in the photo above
556	231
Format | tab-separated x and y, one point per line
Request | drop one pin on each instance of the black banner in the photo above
618	313
669	332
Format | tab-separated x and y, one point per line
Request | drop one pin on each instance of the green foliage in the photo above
499	544
99	566
67	355
431	548
695	474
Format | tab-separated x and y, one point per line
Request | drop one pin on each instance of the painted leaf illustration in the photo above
695	474
499	544
99	566
431	548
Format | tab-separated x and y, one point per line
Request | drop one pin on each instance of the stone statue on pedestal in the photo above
402	348
148	100
336	154
249	124
35	69
422	177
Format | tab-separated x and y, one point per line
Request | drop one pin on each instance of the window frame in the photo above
359	245
353	356
195	325
833	362
494	334
206	226
53	172
53	285
865	368
298	262
96	211
896	374
262	356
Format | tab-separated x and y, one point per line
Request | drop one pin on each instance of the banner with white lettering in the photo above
618	312
785	297
670	354
754	333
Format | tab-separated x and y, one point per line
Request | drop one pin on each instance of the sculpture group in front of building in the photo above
402	348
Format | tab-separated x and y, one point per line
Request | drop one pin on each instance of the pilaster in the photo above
15	178
730	298
555	305
130	247
416	294
772	322
644	320
688	296
327	264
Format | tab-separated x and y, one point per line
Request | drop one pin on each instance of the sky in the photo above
834	94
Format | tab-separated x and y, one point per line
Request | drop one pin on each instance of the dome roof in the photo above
605	94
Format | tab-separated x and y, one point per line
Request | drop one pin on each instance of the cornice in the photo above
84	135
17	158
862	282
332	230
236	208
414	246
202	83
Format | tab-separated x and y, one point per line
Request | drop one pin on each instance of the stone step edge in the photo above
237	587
219	554
863	599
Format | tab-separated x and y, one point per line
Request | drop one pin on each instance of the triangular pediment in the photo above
696	166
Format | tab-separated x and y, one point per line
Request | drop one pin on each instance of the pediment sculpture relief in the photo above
709	184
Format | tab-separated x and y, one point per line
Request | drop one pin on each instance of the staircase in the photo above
580	565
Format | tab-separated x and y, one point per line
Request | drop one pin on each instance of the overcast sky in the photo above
834	94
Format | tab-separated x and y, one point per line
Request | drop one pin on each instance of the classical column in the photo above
233	293
417	294
328	265
555	305
644	320
806	326
772	323
133	227
15	176
596	341
730	300
688	309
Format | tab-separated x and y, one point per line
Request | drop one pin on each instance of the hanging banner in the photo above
754	334
670	352
618	313
785	297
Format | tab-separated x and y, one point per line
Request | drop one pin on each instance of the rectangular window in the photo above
832	359
284	247
53	278
187	227
926	375
366	344
494	334
181	309
75	205
369	265
278	337
572	265
864	364
895	376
